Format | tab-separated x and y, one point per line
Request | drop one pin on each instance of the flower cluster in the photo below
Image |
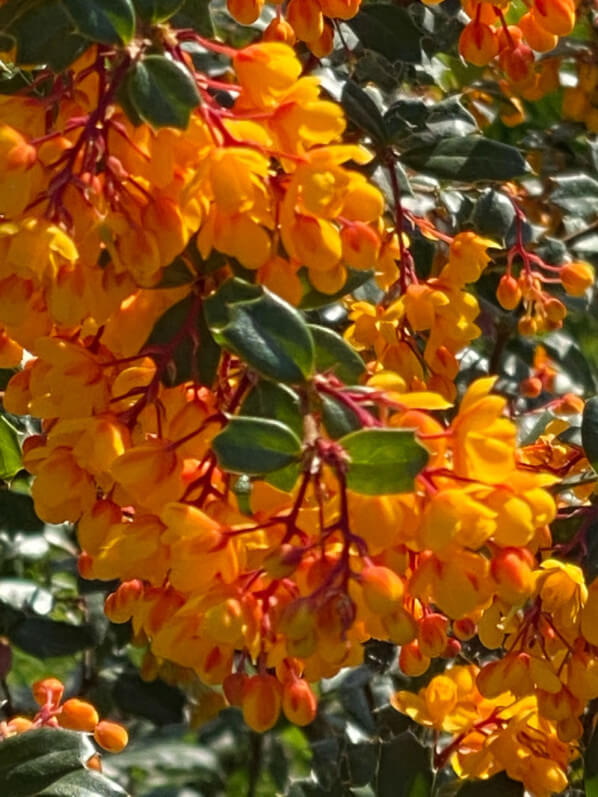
260	587
73	714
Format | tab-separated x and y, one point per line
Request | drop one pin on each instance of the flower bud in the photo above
48	691
111	736
299	702
78	715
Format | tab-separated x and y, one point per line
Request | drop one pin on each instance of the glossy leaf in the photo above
46	638
338	418
256	446
268	334
162	91
468	159
33	761
361	109
498	786
107	23
388	30
10	450
404	768
383	461
157	10
334	354
44	34
278	402
84	783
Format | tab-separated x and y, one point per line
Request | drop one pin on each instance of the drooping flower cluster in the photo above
73	714
265	592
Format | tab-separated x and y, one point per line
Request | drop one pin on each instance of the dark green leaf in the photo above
107	23
157	10
335	355
498	786
589	431
338	419
156	701
577	194
84	783
363	112
10	451
231	291
450	118
383	461
165	330
404	768
195	14
362	760
270	400
34	760
162	91
17	512
44	638
176	274
256	446
388	30
44	35
285	478
468	159
494	215
269	335
207	357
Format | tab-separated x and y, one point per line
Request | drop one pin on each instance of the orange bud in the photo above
412	661
20	724
279	30
464	629
555	16
111	736
261	702
432	635
508	292
478	43
577	277
382	588
48	691
511	568
78	715
94	762
233	686
299	702
531	388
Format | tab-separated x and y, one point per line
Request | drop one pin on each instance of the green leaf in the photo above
334	354
256	446
157	10
33	761
494	216
10	450
46	638
577	194
388	30
270	400
363	112
338	419
195	14
84	783
162	91
267	333
176	274
107	23
196	355
589	431
285	478
404	768
44	35
383	461
498	786
157	701
468	159
17	512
